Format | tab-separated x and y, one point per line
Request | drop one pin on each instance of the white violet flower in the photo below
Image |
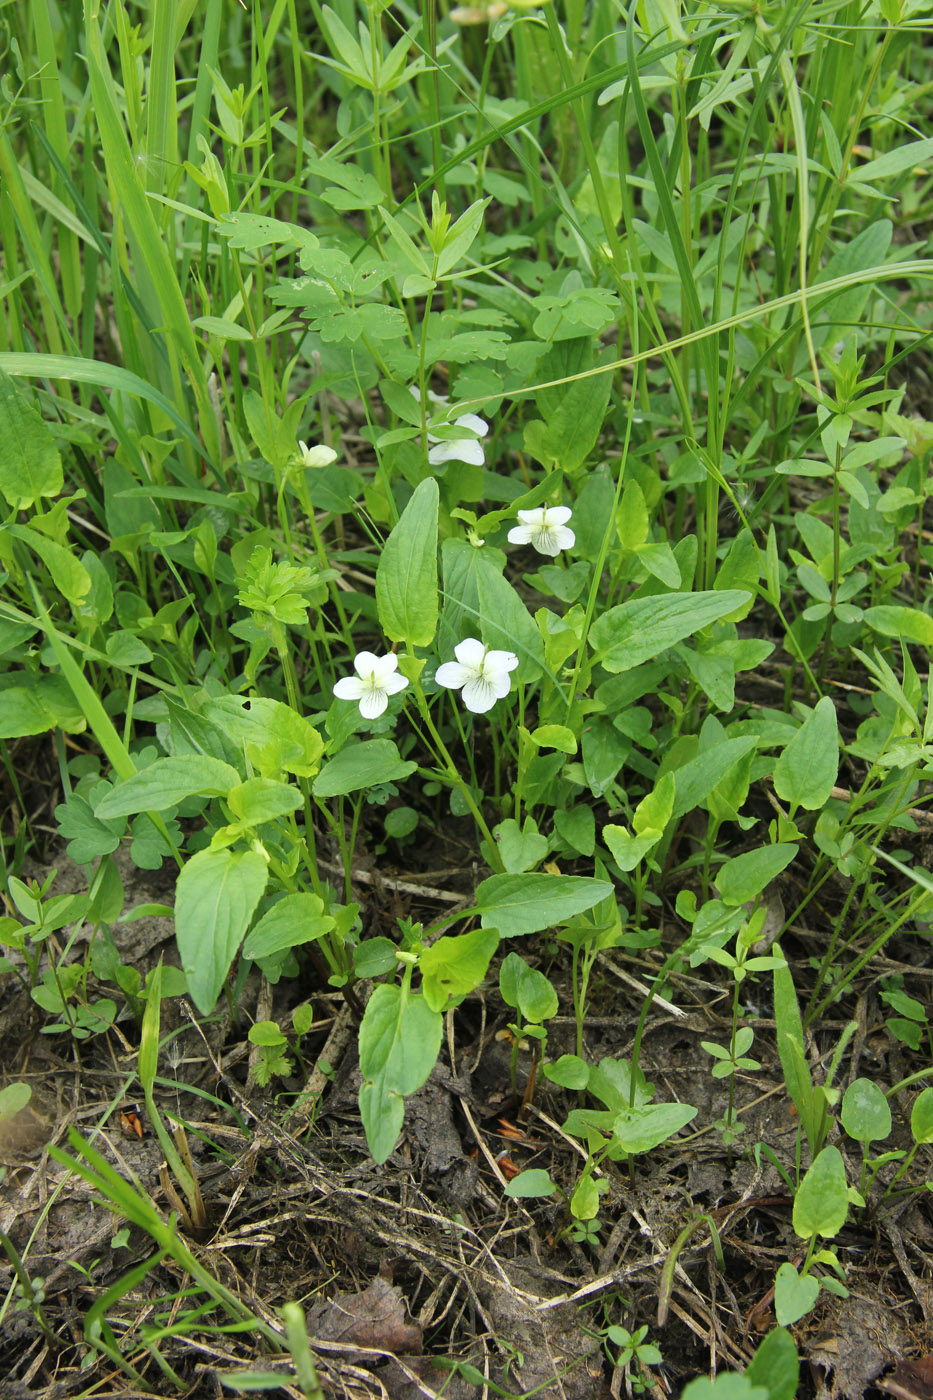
462	449
545	528
374	682
315	456
482	674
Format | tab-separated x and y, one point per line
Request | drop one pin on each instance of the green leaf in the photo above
406	576
577	826
527	989
570	1071
794	1296
627	850
362	765
294	920
30	464
505	623
263	800
584	1203
805	773
893	162
865	1113
271	735
790	1044
528	903
15	1097
520	848
454	966
822	1200
87	835
166	782
775	1366
399	1040
745	877
531	1183
45	703
640	629
554	736
697	779
69	575
643	1128
574	420
216	894
906	624
921	1117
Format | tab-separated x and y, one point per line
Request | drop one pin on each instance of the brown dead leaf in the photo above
375	1318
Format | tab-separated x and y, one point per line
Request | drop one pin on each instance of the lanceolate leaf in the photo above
216	895
406	578
519	904
640	629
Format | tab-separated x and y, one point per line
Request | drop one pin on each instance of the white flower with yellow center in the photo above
545	528
482	676
375	680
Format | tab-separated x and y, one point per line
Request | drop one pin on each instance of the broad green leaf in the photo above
573	424
865	1113
527	989
641	628
87	835
263	800
167	782
628	850
570	1071
399	1040
533	1182
794	1296
554	736
822	1200
728	1385
528	903
805	773
577	826
296	919
45	703
273	737
584	1203
215	897
906	624
520	848
406	576
505	623
745	877
696	779
775	1366
362	765
455	965
30	464
643	1128
14	1098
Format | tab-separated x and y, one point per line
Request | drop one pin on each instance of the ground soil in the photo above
425	1260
